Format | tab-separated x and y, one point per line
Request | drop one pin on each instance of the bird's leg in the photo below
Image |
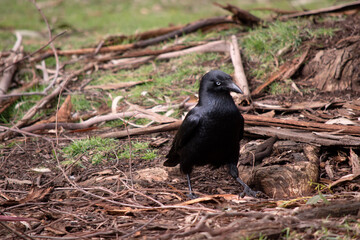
234	172
191	195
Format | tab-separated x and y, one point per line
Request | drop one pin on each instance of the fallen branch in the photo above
17	93
240	15
192	27
127	63
141	131
145	52
302	136
110	40
338	8
345	178
40	104
53	49
215	46
10	67
267	121
295	106
287	70
35	52
154	116
295	124
99	119
239	74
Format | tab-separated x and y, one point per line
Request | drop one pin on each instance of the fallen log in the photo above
339	209
285	181
338	8
336	69
295	124
303	136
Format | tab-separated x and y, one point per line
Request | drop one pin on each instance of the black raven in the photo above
211	131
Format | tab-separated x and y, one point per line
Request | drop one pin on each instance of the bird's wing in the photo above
241	132
187	130
184	134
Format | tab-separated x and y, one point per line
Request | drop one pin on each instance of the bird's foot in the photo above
192	195
251	193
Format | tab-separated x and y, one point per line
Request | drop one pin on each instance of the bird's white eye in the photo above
218	83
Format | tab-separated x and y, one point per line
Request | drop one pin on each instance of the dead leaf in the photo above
36	194
152	115
64	113
329	171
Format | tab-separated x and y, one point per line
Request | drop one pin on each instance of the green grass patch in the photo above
83	102
140	150
17	110
279	88
95	149
265	45
169	78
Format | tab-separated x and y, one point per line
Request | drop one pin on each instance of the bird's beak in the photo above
234	88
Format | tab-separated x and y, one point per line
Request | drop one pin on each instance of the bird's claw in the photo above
192	196
249	192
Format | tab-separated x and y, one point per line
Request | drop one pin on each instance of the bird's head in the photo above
217	81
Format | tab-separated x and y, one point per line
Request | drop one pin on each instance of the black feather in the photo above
211	131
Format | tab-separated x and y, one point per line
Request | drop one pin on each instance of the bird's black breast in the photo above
216	139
